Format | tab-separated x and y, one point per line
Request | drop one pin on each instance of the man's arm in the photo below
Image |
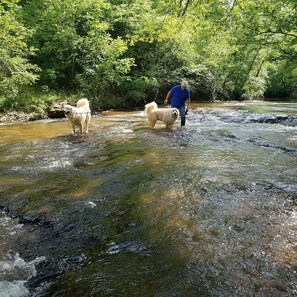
188	104
167	98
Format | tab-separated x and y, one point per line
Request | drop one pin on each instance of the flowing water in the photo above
204	210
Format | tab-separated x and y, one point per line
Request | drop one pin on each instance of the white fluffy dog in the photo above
79	116
166	115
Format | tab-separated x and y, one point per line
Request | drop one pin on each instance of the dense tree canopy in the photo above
15	68
121	53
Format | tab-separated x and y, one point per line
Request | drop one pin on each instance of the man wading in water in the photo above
180	96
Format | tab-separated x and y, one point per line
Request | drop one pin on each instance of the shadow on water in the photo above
204	210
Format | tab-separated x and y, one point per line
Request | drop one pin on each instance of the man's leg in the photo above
182	112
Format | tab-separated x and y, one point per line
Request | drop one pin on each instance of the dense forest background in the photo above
123	53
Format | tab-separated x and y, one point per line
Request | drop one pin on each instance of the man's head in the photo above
184	85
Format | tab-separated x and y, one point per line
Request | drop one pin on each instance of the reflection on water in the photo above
204	210
32	131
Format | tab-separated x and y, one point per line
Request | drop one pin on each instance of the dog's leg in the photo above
80	126
152	124
87	126
73	128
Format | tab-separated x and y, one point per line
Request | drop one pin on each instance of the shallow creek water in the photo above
205	210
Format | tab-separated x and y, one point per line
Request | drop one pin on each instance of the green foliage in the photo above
15	70
59	27
282	83
123	53
103	67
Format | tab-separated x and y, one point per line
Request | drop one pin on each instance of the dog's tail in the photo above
83	103
150	107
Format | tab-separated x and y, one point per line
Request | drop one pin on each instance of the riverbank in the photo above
56	112
20	117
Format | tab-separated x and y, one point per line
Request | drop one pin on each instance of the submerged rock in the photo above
128	246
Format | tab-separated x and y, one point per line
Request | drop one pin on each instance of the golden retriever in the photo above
166	115
79	116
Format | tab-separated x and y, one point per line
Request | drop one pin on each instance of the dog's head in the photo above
175	112
68	109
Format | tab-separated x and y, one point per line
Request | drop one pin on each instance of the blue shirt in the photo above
179	96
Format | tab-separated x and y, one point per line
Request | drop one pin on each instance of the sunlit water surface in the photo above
204	210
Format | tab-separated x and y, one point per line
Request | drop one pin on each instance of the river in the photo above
209	209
